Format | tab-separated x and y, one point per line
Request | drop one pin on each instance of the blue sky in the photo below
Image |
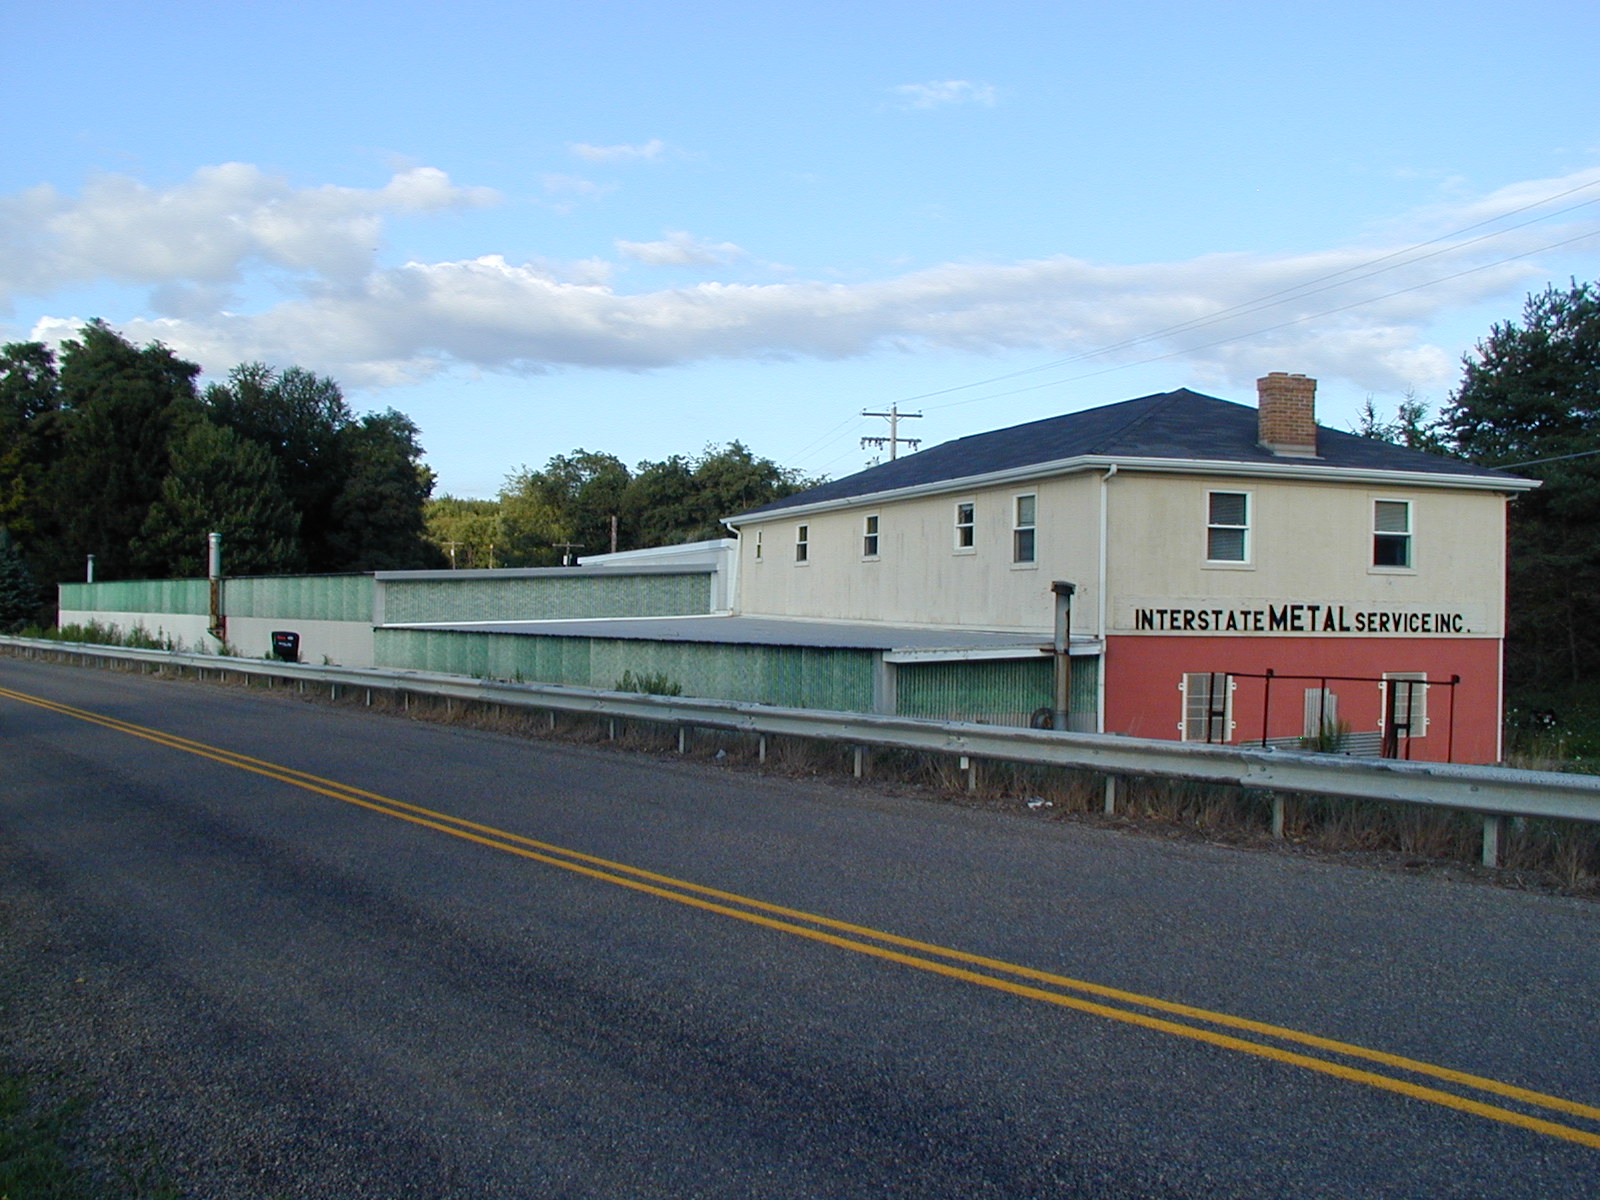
645	228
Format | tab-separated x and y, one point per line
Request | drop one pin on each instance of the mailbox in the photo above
286	645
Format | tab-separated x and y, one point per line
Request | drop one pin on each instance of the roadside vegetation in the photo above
48	1153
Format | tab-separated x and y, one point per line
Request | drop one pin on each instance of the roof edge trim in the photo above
1167	466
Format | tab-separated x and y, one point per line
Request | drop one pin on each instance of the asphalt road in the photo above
304	990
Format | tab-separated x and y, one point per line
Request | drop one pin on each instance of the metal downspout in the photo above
1101	623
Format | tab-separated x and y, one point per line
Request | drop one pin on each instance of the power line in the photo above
1301	288
1327	312
1356	272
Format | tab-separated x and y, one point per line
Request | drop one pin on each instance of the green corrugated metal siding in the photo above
528	598
993	691
301	597
291	597
791	676
138	596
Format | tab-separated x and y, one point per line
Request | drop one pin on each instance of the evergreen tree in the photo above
219	482
1530	399
1412	427
29	433
19	594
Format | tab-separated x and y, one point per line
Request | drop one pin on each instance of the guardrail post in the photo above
1277	814
1491	840
970	766
683	739
1113	786
761	748
860	759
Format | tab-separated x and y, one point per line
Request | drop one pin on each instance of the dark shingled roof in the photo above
1173	425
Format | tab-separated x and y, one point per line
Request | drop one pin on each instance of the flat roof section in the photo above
906	643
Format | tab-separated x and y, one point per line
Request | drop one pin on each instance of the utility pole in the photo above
894	441
566	549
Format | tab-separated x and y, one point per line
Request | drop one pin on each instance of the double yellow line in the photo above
1327	1056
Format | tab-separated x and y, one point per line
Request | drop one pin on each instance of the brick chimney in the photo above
1288	405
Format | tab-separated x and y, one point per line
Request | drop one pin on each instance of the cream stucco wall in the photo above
1310	544
920	575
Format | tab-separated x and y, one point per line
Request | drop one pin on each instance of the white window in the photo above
1228	527
869	537
1405	695
802	543
1207	706
1023	548
966	523
758	545
1391	533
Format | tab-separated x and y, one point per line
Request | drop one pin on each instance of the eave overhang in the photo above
1165	466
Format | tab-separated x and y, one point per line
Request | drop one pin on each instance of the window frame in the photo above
802	544
871	532
756	547
1405	538
1021	530
1245	530
967	529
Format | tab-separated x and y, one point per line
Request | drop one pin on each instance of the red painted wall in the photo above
1142	675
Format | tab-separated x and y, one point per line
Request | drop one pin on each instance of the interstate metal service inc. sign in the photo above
1306	618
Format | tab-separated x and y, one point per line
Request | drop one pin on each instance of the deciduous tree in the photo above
119	405
377	517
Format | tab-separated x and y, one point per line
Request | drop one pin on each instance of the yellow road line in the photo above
817	927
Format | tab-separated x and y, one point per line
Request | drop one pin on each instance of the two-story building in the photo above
1241	574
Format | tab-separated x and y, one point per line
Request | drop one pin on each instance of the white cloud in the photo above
679	249
207	228
1357	313
650	151
569	190
944	92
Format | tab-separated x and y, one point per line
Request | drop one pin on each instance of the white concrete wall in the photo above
188	631
342	643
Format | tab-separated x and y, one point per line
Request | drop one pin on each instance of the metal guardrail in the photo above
1494	792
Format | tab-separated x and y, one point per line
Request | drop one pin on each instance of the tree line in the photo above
1529	402
586	503
114	450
